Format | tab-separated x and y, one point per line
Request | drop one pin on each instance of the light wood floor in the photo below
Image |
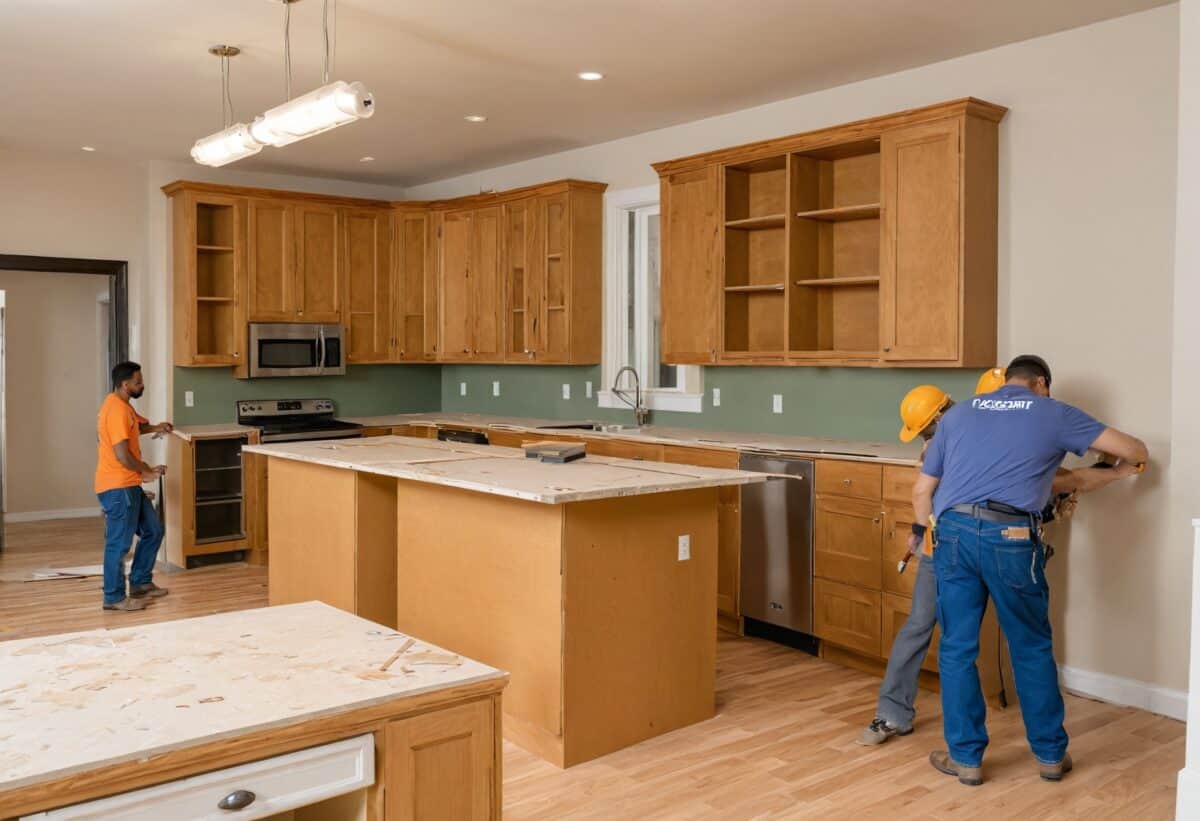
782	745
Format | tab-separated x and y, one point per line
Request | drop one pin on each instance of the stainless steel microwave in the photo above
296	349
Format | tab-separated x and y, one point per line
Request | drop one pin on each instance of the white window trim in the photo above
689	396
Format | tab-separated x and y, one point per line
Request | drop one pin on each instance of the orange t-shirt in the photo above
118	421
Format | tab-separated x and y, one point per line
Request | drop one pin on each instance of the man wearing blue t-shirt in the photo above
986	474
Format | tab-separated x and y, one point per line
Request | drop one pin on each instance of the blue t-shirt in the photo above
1004	446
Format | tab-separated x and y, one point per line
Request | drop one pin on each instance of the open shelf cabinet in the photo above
756	265
208	245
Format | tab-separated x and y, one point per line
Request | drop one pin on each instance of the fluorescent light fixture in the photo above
224	147
87	148
475	118
313	113
590	75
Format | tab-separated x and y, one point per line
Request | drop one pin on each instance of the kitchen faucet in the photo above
640	413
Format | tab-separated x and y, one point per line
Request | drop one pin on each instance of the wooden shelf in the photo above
225	467
214	249
843	214
556	307
838	282
754	289
518	310
758	223
214	299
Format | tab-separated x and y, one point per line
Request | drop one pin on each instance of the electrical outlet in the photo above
566	390
462	388
587	389
716	397
685	547
495	389
777	403
189	399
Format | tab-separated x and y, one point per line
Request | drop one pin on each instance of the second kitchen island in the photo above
593	582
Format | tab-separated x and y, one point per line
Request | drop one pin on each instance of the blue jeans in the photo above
899	689
127	512
973	560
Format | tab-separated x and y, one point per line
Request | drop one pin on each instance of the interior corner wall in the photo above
1086	260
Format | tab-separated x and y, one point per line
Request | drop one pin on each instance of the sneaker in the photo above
127	605
880	731
1055	772
149	590
942	762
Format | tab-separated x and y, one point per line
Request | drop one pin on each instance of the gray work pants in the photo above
899	689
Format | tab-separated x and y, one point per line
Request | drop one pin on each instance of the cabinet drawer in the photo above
419	431
279	784
505	438
377	431
898	483
897	525
855	479
846	544
704	457
626	450
846	616
894	610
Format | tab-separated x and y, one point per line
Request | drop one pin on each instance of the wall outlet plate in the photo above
587	389
462	388
716	397
495	389
189	399
685	547
777	403
566	390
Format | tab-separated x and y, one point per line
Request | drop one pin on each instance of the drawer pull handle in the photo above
846	482
236	800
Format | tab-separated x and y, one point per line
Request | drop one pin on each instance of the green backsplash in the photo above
365	390
851	403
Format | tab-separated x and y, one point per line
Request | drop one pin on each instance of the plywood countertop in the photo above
81	701
229	430
505	471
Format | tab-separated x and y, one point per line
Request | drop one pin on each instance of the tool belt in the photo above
996	512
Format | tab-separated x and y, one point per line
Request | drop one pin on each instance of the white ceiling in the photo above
133	79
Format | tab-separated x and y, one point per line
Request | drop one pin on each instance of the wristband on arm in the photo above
919	529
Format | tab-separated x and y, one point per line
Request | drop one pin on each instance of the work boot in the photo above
942	762
880	731
127	605
1055	772
149	590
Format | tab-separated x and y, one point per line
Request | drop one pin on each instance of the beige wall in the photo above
53	385
1087	217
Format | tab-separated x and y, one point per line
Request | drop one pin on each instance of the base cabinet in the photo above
205	498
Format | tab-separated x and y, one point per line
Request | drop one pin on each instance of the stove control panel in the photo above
283	407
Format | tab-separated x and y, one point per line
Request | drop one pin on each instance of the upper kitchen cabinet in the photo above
294	261
416	254
207	239
319	289
867	244
370	285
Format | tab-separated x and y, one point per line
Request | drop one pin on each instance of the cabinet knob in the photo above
887	350
847	482
875	521
236	354
301	313
466	350
236	800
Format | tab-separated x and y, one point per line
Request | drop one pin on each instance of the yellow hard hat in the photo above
991	380
918	408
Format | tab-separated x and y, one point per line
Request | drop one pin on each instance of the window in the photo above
632	319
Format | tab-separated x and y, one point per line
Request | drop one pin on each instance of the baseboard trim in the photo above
1126	691
61	513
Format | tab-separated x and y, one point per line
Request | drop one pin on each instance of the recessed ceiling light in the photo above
366	159
475	118
590	75
87	148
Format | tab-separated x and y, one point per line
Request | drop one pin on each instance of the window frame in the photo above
688	397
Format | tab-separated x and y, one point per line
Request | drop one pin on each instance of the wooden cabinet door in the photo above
847	535
622	449
897	525
318	264
433	257
270	252
893	611
487	294
454	328
691	266
860	480
414	326
521	306
443	764
369	285
920	255
847	616
552	245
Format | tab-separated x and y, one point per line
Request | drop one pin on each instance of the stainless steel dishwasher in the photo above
777	540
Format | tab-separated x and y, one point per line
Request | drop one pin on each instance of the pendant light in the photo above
232	142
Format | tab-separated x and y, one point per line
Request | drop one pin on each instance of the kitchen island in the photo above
591	582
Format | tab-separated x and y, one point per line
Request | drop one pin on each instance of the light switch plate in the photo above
189	399
777	403
685	547
716	397
462	388
566	390
495	389
587	389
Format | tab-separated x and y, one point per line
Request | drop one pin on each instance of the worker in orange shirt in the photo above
920	410
120	473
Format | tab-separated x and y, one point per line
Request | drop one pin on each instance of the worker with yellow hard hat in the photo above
920	411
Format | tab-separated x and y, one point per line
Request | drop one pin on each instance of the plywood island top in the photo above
81	701
505	471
